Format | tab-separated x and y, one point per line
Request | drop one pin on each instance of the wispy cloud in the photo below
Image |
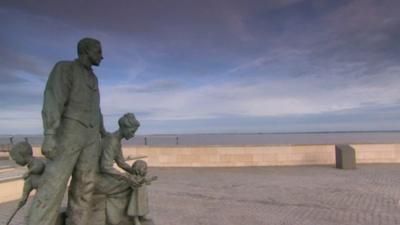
210	60
298	95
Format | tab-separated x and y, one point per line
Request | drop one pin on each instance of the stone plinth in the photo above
345	157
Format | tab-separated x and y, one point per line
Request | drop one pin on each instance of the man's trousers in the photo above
78	151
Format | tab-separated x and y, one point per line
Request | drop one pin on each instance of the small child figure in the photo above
139	204
22	154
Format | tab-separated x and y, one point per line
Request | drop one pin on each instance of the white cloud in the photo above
21	119
271	97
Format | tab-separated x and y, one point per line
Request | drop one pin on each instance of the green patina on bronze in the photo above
72	123
22	154
76	144
125	193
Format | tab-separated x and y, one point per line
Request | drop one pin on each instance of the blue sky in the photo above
212	66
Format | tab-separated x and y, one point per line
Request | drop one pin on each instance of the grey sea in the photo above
242	139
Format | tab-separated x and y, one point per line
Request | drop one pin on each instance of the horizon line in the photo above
238	133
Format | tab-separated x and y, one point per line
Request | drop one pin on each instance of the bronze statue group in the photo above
80	151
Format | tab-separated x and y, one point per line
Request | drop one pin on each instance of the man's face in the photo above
95	55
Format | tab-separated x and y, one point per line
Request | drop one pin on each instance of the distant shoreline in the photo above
246	139
234	133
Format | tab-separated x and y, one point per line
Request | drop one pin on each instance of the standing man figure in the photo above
72	123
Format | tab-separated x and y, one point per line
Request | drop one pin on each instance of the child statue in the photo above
138	205
22	154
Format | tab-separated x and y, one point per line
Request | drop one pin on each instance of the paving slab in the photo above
298	195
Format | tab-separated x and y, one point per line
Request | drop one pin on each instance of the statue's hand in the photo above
133	182
49	146
151	179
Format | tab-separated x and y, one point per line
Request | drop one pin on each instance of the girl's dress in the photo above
139	203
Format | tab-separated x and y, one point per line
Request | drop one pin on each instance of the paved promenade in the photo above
300	195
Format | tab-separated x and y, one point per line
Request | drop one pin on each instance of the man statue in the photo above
73	124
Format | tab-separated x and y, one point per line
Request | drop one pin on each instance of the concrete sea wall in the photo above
283	155
273	155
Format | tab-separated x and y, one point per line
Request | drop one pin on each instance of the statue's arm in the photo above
36	166
103	131
148	181
121	162
107	162
110	170
130	179
55	96
25	192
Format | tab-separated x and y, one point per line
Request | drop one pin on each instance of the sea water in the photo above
241	139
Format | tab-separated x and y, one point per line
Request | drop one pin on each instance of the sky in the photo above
211	66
